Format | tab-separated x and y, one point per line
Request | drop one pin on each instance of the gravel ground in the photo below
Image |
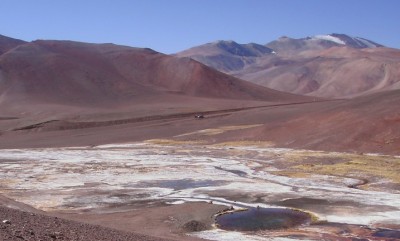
19	225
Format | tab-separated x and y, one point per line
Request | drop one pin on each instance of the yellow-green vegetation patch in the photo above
313	217
7	181
351	165
219	130
172	142
301	155
239	127
210	132
246	143
292	174
230	210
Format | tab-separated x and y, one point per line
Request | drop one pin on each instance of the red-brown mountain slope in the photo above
364	124
73	73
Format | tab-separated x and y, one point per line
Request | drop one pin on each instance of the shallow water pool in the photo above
262	219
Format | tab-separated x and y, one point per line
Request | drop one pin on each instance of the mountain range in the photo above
84	74
67	93
329	66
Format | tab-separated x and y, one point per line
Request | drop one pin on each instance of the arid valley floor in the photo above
169	176
157	187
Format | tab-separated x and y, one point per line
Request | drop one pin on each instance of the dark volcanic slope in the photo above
35	227
72	73
7	43
335	65
226	56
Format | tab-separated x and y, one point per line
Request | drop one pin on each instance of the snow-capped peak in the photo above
343	39
367	43
329	38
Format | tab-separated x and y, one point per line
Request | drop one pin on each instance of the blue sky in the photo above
170	26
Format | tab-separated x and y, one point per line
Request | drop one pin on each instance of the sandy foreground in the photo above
173	189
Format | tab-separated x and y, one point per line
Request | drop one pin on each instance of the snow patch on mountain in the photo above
329	38
366	42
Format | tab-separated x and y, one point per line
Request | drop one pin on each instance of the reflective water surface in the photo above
262	219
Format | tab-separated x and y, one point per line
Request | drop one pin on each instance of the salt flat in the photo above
105	179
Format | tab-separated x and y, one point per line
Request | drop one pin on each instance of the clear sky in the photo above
170	26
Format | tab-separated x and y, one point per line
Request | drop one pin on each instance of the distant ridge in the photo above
7	43
329	66
286	45
226	55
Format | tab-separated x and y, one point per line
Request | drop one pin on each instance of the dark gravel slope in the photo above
18	225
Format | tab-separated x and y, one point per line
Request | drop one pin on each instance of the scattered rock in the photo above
194	226
6	221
